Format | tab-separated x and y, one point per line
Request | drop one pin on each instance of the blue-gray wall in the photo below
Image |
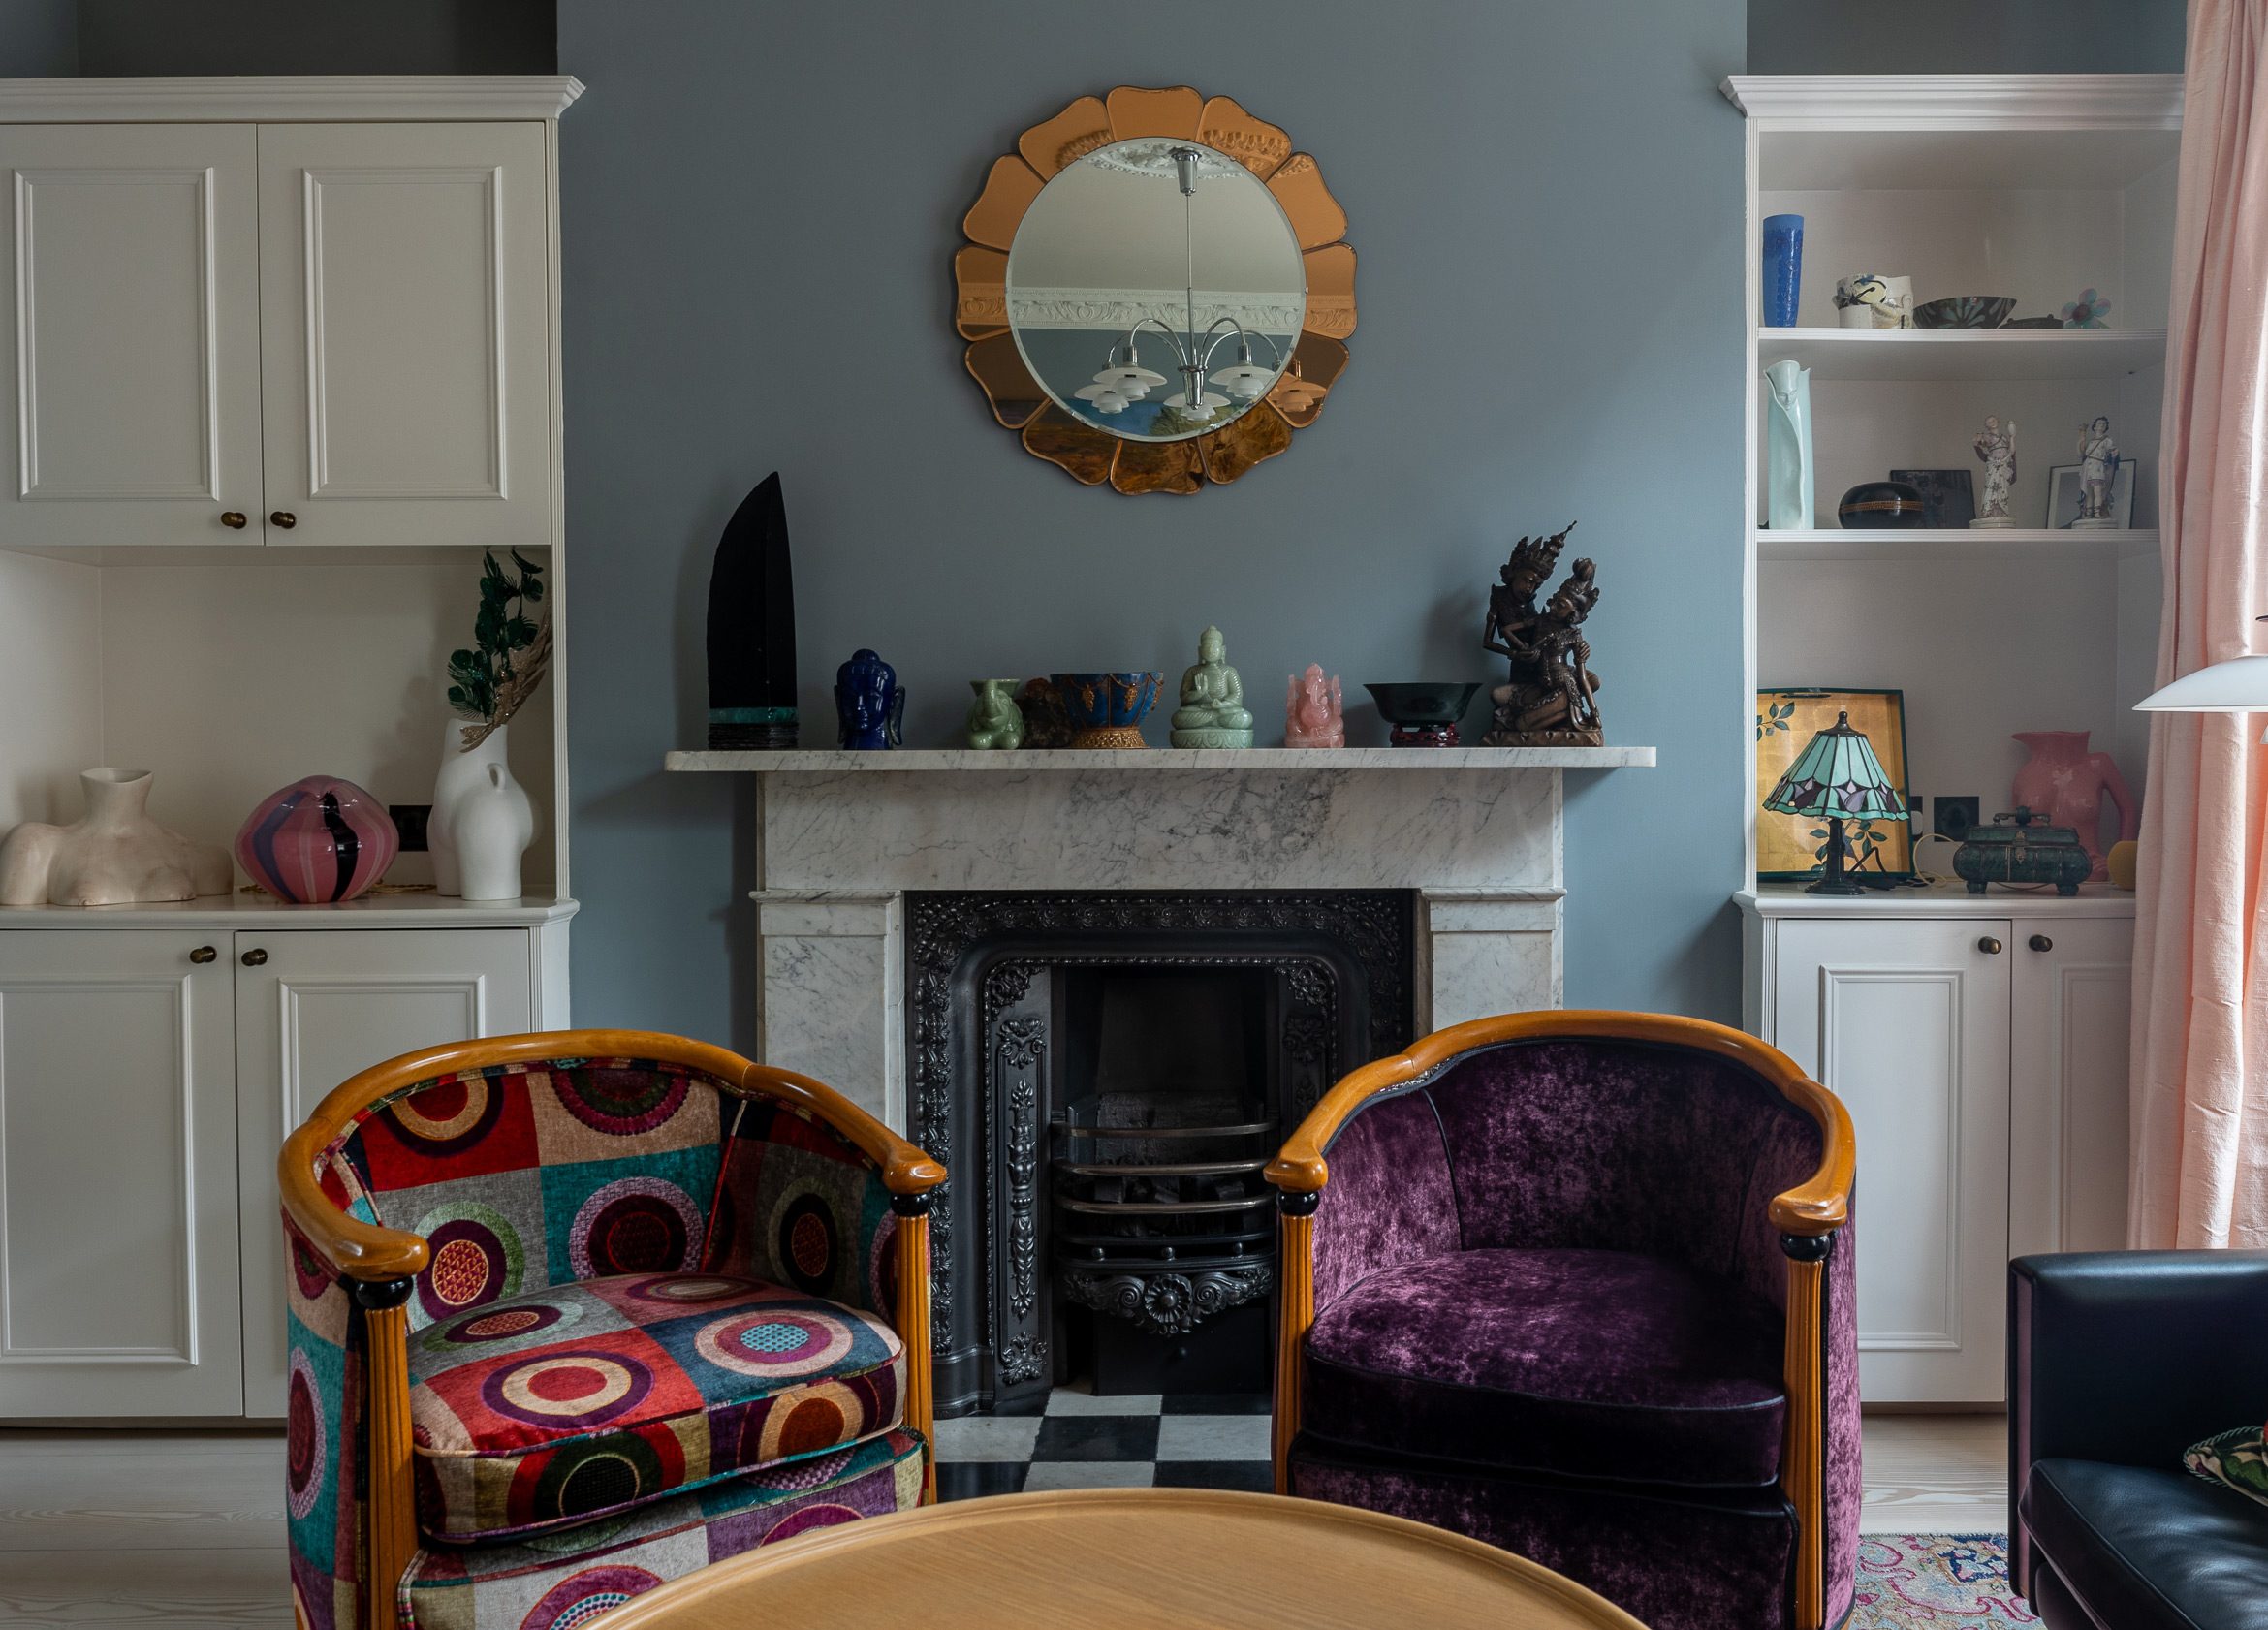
1965	37
761	207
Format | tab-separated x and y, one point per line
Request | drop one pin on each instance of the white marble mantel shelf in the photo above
835	760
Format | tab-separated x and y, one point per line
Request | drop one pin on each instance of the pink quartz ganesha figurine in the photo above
2065	783
1313	713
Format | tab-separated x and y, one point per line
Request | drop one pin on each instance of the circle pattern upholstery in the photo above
578	1390
303	1446
634	1225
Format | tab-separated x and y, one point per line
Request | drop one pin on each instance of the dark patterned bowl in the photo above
1883	505
1422	702
1965	311
1107	702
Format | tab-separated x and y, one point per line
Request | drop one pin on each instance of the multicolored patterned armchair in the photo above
572	1314
1580	1285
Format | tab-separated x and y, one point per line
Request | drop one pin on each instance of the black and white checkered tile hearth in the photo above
1182	1440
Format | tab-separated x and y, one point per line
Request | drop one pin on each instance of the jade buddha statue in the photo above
1213	712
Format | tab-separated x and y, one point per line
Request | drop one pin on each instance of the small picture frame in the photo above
1948	497
1793	848
2063	495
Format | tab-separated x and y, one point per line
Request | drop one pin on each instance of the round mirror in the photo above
1155	289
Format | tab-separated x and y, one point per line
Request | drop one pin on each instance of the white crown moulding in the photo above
1960	100
307	99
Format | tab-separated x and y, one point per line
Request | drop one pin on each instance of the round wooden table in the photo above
1126	1559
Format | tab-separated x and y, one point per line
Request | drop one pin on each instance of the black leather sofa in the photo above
2118	1361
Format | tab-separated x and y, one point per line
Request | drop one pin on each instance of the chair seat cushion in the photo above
2147	1548
603	1395
565	1578
1589	1364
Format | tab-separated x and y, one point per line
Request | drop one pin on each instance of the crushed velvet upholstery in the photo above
1555	1360
1672	1562
1652	1167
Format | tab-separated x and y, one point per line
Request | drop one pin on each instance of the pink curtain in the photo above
2200	1103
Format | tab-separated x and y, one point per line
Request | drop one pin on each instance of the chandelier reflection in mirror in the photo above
1184	247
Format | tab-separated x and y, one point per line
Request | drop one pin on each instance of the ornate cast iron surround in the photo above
977	1062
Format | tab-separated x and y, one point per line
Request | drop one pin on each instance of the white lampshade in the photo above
1244	379
1131	383
1212	399
1102	398
2239	685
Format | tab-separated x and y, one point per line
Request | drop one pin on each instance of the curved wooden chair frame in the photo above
379	1264
1806	1216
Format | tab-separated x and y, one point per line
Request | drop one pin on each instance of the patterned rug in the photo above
1934	1582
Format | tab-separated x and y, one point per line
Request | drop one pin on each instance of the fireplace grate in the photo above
1161	1214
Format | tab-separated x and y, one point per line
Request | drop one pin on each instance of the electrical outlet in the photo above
409	820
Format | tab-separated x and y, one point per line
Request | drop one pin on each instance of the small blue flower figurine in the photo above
869	704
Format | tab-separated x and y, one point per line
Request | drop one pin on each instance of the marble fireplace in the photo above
887	876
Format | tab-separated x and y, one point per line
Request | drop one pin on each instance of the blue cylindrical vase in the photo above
1784	269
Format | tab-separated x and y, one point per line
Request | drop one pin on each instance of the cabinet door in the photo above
313	1006
1908	1022
129	406
2073	997
405	304
118	1277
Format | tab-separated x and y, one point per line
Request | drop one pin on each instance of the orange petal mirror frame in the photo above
1093	456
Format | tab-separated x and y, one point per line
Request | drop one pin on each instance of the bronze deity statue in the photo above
1550	697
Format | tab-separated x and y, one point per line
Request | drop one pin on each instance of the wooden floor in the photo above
185	1529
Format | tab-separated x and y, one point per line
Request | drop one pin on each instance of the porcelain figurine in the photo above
1550	697
1787	426
1870	300
994	722
1995	450
1213	712
2065	784
869	704
2099	469
112	855
1314	713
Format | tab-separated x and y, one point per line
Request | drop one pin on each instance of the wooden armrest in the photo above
1819	1205
366	1251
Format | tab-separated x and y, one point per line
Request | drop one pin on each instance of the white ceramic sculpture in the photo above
112	855
1996	449
1870	300
2099	471
1787	419
483	819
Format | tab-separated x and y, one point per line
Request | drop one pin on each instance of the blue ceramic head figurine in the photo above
869	704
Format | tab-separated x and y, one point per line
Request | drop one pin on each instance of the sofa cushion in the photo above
565	1578
548	1409
2144	1549
2236	1459
1590	1363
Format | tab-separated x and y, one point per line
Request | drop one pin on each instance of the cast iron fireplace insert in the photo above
1105	1075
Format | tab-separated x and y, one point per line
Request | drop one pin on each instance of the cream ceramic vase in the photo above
112	855
483	819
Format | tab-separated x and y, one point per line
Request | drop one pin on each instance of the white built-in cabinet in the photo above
148	1075
301	337
1979	1041
1982	1053
323	334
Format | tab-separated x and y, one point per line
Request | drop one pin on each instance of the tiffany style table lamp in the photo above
1837	776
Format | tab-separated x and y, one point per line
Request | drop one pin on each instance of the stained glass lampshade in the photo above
1838	777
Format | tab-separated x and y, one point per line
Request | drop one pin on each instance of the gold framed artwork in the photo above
1793	848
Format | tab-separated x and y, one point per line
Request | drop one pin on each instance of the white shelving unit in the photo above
282	362
1980	1040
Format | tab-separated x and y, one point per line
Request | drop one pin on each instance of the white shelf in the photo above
1937	899
1951	543
224	912
1262	759
1906	354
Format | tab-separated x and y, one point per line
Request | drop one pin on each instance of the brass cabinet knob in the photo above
254	957
233	519
283	519
2040	942
1989	946
203	955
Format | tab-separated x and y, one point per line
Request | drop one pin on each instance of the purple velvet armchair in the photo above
1580	1285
